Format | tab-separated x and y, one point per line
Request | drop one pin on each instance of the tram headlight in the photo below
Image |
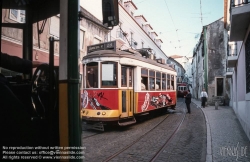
98	113
104	113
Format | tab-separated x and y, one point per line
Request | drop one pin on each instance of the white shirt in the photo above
203	94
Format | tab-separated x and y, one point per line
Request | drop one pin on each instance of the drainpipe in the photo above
206	59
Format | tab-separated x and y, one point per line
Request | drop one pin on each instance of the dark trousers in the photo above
188	107
203	101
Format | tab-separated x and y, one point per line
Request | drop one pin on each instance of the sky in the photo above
177	22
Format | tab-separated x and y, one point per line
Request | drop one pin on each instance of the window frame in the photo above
158	77
151	77
168	82
125	75
164	79
145	76
96	71
116	72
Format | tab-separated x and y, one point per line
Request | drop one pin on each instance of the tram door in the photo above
127	91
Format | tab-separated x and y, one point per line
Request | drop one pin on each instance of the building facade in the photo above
178	68
209	63
237	19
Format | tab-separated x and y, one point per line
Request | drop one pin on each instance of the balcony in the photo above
120	37
229	72
240	18
232	57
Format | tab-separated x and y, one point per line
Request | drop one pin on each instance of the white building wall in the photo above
240	100
129	25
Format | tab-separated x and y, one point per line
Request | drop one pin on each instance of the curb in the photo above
209	156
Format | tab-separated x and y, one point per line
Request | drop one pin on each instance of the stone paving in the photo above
226	139
189	143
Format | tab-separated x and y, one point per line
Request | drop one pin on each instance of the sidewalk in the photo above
226	140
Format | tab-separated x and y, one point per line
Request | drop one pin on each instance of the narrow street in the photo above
176	140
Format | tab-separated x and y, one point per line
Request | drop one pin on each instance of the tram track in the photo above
146	133
91	135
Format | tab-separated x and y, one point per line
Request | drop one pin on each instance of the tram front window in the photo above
109	74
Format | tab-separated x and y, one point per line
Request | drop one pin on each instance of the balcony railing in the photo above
239	19
235	3
119	34
232	49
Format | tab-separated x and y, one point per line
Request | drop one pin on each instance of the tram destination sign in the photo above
102	46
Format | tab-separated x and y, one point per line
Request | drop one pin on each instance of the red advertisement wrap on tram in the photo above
153	100
100	99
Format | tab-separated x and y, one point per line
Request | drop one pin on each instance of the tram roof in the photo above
132	55
41	9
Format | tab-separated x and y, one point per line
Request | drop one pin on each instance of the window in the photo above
163	81
80	80
168	82
152	80
144	79
203	64
109	74
158	81
92	75
17	15
172	87
124	77
142	44
247	56
82	33
130	75
54	26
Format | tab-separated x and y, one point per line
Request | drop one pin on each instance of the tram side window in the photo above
163	81
168	81
124	77
172	83
152	85
109	74
130	74
144	79
92	75
158	81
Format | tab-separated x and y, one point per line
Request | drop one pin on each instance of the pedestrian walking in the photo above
188	101
203	98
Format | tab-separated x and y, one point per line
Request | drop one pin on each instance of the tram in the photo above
182	89
125	85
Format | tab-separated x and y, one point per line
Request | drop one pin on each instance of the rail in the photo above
236	3
146	133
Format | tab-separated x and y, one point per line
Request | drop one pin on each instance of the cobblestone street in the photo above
188	144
